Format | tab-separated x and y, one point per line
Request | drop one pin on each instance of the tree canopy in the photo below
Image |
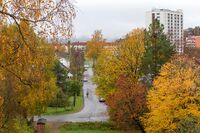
95	46
28	83
125	60
47	17
158	50
174	98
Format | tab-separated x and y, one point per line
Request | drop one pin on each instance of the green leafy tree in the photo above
62	98
61	75
158	50
75	89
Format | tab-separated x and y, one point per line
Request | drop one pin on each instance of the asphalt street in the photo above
93	110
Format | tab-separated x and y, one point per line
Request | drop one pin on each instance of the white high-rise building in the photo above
173	25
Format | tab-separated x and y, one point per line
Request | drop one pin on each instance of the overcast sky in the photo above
117	17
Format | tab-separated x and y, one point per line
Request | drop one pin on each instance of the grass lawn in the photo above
58	111
86	131
87	127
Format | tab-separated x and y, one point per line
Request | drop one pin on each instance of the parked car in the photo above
86	66
101	99
85	80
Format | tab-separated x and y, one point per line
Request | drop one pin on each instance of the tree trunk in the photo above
140	126
30	122
74	99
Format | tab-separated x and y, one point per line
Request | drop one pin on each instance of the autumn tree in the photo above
95	46
106	73
48	17
28	83
76	63
195	31
1	112
125	60
117	77
158	50
127	104
192	52
174	100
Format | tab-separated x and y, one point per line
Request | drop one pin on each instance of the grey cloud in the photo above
118	17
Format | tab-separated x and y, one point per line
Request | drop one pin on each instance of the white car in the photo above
85	80
101	99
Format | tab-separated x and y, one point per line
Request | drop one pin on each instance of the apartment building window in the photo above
153	16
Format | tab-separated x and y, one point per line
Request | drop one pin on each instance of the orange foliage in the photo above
127	104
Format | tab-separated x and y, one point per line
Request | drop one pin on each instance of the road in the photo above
93	110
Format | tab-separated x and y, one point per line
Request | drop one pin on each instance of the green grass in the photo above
88	127
68	110
86	131
47	130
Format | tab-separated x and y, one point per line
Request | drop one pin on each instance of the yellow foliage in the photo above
124	60
105	72
95	46
175	95
25	64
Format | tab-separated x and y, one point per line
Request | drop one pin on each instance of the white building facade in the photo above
173	25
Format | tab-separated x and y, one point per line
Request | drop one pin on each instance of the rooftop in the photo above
78	43
166	10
